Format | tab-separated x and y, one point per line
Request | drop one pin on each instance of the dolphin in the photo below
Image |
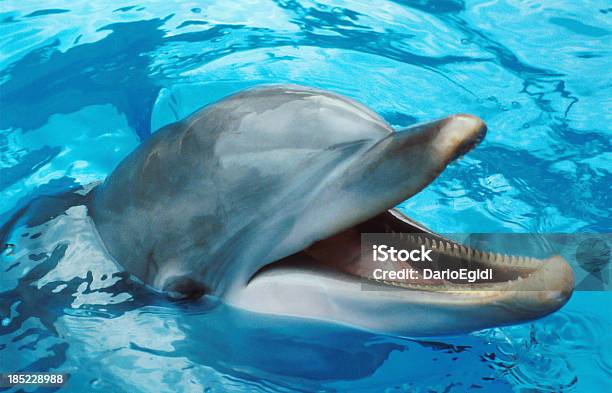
261	198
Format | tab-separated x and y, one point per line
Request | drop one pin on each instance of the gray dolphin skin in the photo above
260	199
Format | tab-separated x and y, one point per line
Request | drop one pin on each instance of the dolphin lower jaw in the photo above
320	283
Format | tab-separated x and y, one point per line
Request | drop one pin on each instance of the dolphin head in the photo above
261	199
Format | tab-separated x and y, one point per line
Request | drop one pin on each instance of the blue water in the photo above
83	83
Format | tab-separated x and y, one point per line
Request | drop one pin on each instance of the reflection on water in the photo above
82	84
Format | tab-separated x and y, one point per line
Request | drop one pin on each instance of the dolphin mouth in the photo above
524	287
511	274
333	280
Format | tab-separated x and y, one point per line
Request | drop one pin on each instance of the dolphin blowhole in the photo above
261	199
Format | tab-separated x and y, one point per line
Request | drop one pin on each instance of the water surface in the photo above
82	84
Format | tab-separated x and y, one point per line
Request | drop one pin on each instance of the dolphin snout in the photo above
458	134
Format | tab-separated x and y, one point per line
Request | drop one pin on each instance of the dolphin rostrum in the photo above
260	199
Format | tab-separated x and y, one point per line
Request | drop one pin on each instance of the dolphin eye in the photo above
183	287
